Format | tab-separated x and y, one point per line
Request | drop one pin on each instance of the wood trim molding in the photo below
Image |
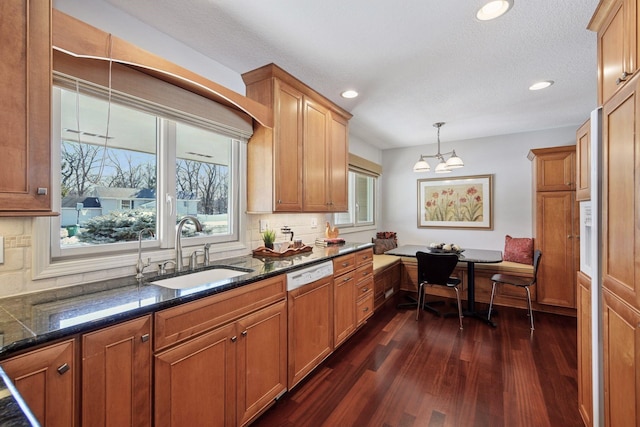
364	165
78	38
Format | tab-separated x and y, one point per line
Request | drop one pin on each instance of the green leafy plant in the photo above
268	237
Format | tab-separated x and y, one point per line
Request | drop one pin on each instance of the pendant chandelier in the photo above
444	166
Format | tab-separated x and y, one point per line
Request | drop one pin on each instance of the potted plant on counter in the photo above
268	237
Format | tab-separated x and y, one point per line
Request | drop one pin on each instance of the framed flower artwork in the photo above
458	202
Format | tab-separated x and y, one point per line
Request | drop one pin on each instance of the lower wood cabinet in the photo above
46	378
344	300
225	377
621	348
116	375
310	327
585	377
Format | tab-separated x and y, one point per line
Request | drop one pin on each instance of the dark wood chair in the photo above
520	282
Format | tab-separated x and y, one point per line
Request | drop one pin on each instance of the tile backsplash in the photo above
16	271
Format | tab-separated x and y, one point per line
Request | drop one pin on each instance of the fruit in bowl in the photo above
445	247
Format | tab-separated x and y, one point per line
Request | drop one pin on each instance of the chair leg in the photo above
420	299
530	311
459	306
493	292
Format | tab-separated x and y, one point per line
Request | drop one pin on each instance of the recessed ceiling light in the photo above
494	9
349	94
541	85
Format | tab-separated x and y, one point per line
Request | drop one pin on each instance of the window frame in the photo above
354	224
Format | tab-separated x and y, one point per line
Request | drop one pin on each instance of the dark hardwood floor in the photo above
399	372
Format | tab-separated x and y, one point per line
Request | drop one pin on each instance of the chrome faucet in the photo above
140	265
185	219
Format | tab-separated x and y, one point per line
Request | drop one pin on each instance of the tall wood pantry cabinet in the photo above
555	220
25	110
301	165
616	23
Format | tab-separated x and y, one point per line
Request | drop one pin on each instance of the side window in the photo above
362	189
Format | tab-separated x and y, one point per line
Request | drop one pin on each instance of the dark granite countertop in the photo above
36	318
33	319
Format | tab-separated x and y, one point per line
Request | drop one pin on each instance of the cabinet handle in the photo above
569	236
42	191
365	309
346	279
365	290
345	264
234	338
279	201
63	368
622	77
244	333
144	338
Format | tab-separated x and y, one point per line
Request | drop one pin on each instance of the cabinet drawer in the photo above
364	272
346	277
364	287
364	308
179	323
364	257
343	263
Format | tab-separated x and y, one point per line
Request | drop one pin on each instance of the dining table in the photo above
469	256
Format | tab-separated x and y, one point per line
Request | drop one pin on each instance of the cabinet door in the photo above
339	164
46	379
555	213
583	162
344	297
288	135
621	344
262	360
617	46
25	89
316	158
585	381
555	171
310	332
195	382
620	177
116	375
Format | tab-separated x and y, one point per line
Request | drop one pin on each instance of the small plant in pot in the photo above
268	237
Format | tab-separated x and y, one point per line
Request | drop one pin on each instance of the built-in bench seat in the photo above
504	267
386	277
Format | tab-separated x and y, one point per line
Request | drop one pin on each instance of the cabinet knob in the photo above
244	333
365	290
345	264
365	309
42	191
346	279
234	338
622	78
63	368
144	338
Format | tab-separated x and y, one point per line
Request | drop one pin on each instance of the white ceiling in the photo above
414	62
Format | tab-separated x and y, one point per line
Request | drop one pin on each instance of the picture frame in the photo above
456	202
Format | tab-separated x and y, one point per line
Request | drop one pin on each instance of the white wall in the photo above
503	156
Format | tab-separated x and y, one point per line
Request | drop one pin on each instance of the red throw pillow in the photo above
518	249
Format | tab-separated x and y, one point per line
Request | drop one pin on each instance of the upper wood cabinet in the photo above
616	22
554	168
301	164
25	111
583	162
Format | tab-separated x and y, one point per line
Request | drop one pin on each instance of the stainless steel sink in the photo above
200	278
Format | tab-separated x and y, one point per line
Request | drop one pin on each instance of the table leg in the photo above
471	297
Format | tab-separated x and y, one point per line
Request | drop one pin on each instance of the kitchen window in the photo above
361	202
134	150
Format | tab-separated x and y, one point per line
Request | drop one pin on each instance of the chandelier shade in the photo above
443	166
